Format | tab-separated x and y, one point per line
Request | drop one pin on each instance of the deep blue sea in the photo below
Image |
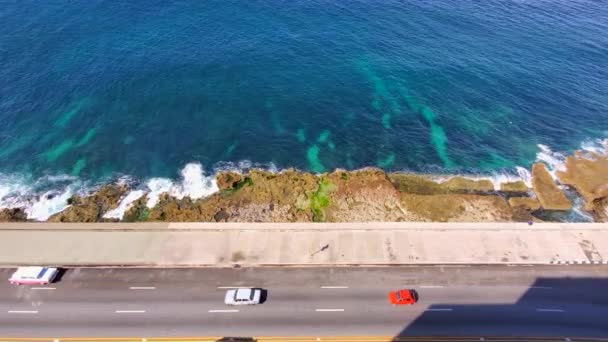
91	90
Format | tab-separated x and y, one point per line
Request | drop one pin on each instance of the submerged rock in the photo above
547	192
91	208
588	174
13	215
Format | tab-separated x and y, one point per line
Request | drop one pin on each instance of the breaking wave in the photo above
48	195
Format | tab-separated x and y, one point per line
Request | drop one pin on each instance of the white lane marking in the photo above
222	311
431	286
42	288
142	288
23	311
334	287
440	309
130	311
549	310
329	310
541	287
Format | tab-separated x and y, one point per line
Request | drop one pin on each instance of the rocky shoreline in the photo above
360	196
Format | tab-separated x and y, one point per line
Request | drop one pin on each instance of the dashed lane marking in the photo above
440	309
431	286
129	311
23	311
43	288
550	310
142	288
334	287
223	311
329	310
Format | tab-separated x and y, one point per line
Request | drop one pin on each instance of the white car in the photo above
34	275
244	296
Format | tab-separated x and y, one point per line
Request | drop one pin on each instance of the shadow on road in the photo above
559	309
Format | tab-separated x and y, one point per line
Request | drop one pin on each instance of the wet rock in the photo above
91	208
138	211
458	208
588	174
13	215
547	192
518	187
600	210
465	185
526	203
421	185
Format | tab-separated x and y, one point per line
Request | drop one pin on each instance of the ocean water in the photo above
165	92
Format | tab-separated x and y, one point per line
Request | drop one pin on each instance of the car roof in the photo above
31	272
242	294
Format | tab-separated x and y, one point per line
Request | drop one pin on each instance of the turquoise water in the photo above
96	89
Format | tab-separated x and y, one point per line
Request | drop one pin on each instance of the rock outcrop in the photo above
588	174
547	192
421	185
457	208
600	210
91	208
526	203
518	187
363	195
13	215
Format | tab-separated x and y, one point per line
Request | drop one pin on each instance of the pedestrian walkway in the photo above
244	244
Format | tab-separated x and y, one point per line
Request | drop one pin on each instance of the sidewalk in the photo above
223	245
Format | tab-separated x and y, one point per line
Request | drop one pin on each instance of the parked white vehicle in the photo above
243	296
34	275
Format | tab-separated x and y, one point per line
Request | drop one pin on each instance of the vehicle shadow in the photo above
59	276
553	308
263	295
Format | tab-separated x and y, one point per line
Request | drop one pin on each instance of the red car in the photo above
403	297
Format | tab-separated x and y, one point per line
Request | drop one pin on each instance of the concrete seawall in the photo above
258	244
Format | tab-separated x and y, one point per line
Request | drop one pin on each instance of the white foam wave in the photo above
49	203
597	146
497	178
244	166
124	205
194	184
555	161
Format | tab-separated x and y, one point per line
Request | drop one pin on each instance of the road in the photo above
455	300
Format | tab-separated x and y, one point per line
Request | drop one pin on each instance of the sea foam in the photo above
194	184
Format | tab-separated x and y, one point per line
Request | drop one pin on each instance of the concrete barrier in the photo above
260	244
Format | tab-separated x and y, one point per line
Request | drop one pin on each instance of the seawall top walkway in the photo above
259	244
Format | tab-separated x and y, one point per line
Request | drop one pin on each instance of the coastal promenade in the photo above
300	244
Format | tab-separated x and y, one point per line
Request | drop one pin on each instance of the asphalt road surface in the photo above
455	300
